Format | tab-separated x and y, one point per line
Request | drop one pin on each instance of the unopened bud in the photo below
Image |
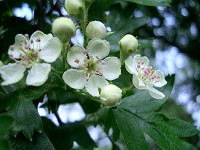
96	29
75	8
63	28
110	95
128	45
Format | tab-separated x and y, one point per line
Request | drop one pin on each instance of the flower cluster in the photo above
90	68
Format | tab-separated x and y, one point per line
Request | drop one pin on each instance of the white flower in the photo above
29	54
144	77
90	68
110	95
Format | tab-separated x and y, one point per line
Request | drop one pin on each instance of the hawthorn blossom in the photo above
90	68
144	76
30	54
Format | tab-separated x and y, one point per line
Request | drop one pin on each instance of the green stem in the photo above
56	71
64	54
91	97
84	24
124	90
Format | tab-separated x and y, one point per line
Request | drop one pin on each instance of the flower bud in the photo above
128	45
63	28
75	8
96	29
110	95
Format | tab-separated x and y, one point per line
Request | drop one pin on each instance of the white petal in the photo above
162	80
38	74
94	83
137	82
20	42
75	78
11	73
76	53
21	39
44	38
129	65
155	93
143	59
98	48
51	51
112	68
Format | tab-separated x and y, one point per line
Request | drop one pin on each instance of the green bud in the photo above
96	29
110	95
128	45
63	28
75	8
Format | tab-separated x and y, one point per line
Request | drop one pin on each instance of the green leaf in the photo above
142	102
27	94
130	129
26	116
40	142
174	126
63	137
151	2
162	133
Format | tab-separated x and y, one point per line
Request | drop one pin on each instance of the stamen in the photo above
100	71
36	54
10	56
27	47
77	61
84	52
103	62
38	40
91	57
86	69
97	57
85	59
87	78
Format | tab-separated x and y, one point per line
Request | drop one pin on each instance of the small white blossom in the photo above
29	54
144	77
90	67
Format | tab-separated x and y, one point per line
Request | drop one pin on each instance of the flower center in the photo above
28	55
147	74
90	65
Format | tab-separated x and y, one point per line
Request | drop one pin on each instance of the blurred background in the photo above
169	36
